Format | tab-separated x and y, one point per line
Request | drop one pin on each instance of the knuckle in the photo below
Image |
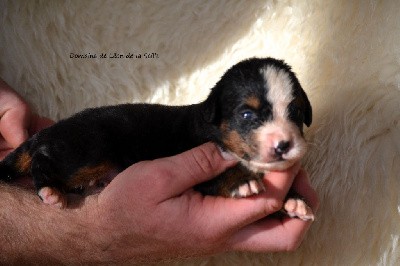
273	205
293	244
203	160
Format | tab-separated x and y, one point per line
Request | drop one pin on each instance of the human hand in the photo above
150	212
17	122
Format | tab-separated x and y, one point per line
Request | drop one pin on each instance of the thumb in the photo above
192	167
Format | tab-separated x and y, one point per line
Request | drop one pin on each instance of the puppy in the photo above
255	112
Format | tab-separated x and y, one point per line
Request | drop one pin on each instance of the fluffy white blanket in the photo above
346	55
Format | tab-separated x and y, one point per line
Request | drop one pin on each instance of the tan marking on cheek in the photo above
89	173
253	102
24	162
234	142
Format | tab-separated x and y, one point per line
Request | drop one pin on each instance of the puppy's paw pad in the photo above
252	187
298	208
52	197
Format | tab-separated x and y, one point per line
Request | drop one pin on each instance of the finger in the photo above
13	125
278	184
270	234
183	171
232	214
4	152
14	113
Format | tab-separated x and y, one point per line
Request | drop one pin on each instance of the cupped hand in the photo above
150	212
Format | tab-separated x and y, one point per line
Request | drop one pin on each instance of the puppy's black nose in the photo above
282	148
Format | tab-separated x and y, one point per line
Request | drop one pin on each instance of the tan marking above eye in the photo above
253	102
235	143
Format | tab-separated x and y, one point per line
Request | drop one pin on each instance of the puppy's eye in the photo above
249	115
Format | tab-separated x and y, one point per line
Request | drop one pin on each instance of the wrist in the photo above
110	234
99	235
35	233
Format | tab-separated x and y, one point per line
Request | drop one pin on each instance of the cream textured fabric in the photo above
346	55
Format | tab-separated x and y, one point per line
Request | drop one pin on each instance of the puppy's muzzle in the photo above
282	148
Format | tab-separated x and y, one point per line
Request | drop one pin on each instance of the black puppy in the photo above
255	112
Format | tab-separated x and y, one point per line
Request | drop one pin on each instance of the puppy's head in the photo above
258	109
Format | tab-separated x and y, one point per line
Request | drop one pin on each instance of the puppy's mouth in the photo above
279	164
259	166
272	160
271	153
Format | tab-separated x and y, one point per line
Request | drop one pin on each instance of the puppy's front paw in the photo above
295	207
52	197
251	187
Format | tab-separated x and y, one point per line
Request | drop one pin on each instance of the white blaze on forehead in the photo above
279	92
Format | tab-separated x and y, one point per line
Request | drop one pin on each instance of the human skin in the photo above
148	213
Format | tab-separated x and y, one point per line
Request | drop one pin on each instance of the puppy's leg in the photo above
236	182
44	175
295	206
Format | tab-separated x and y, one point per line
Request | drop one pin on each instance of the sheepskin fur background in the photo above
346	55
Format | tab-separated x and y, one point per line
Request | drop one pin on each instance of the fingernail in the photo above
226	155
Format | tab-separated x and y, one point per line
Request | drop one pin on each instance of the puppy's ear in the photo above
210	109
308	108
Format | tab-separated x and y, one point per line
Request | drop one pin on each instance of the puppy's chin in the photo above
261	167
258	166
